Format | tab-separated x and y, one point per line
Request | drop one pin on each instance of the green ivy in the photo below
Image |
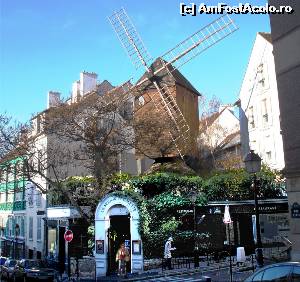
159	196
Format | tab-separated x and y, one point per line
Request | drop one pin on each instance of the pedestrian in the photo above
167	252
121	257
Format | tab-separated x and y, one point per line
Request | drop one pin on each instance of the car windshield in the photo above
34	263
12	263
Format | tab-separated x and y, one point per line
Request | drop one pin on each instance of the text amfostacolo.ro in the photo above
240	8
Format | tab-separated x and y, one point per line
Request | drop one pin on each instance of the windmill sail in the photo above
164	100
200	41
129	38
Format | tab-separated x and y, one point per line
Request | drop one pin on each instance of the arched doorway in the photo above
116	222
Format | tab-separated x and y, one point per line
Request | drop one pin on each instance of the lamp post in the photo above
193	197
227	220
253	165
17	232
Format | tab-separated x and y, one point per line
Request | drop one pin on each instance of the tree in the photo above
84	138
215	134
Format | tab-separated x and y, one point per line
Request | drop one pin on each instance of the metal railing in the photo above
177	263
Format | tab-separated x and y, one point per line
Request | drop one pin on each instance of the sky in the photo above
44	45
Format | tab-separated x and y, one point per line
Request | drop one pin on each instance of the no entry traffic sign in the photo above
68	235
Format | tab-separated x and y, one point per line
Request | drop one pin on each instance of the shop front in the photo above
274	224
58	251
116	222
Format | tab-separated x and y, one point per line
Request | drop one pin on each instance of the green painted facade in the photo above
12	186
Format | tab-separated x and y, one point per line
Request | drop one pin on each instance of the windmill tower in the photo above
162	98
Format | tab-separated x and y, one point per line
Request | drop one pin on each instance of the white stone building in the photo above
47	148
259	107
286	40
219	138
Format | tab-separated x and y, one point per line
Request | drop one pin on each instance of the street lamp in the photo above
227	220
193	197
253	165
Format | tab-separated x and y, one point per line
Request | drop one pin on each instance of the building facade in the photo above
219	139
259	105
286	40
35	221
12	207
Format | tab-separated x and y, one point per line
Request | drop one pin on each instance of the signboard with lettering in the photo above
100	246
295	210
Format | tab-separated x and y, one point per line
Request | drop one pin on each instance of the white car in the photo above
279	272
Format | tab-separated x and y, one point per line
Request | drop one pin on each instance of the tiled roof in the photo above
104	87
165	77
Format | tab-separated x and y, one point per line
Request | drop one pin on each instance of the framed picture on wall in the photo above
136	247
99	246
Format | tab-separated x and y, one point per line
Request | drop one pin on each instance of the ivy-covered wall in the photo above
161	195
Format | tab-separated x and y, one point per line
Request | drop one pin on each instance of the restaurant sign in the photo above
295	210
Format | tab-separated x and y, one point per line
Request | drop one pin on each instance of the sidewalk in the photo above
218	270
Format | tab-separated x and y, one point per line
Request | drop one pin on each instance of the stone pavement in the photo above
217	271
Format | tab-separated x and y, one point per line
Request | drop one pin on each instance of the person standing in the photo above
167	252
121	257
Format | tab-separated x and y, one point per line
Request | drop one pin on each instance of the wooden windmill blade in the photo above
200	41
164	102
129	38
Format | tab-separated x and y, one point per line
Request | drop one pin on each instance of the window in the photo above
10	197
251	117
264	110
38	124
10	173
10	226
269	155
262	75
22	227
141	101
39	157
30	228
19	169
277	274
2	197
30	196
38	198
18	192
39	229
296	274
253	145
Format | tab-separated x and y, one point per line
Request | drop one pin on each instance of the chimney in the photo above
88	82
75	91
53	99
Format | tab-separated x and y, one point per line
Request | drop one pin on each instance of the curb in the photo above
175	273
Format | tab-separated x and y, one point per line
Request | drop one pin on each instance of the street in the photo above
216	276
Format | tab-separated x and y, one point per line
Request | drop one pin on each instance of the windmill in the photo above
183	52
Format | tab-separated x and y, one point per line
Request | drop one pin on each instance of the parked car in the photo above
279	272
7	269
2	261
30	270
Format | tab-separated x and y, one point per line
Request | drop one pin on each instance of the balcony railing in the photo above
13	206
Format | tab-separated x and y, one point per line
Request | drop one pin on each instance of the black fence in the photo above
176	263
